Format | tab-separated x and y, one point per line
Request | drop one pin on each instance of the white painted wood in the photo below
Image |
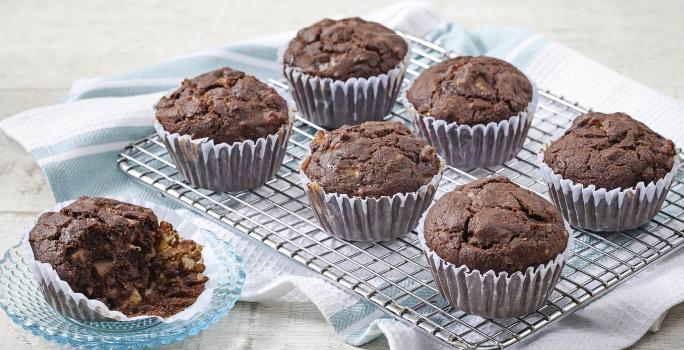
45	45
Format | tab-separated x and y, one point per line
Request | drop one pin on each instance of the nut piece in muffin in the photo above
494	224
372	159
225	106
120	254
346	48
610	151
471	90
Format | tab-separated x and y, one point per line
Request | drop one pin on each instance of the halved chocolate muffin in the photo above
120	254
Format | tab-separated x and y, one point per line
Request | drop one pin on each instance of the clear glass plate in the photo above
24	303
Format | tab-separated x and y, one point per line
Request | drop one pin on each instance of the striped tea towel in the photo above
76	144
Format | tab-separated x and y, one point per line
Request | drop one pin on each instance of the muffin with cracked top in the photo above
225	130
618	166
495	227
476	111
346	71
370	182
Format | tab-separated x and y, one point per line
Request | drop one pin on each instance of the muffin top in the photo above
224	105
119	254
471	90
494	224
610	151
372	159
346	48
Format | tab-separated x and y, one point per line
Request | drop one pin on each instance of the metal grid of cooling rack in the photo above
394	275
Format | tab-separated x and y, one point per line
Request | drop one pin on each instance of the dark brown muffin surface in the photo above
494	224
346	48
119	254
223	105
372	159
610	151
471	90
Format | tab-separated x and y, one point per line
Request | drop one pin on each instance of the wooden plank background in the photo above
44	46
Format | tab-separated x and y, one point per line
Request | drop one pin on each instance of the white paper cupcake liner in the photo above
491	294
62	298
369	219
599	209
476	146
332	103
226	168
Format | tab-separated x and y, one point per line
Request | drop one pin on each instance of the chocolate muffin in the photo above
372	159
225	106
494	224
346	48
610	151
471	90
224	130
120	254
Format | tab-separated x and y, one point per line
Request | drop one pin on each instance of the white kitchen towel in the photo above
76	144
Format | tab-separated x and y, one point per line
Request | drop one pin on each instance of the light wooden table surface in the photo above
44	46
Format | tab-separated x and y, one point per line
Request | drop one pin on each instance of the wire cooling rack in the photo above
394	275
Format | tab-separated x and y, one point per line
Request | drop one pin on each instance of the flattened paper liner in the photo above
226	168
464	146
369	219
492	295
60	296
606	210
332	103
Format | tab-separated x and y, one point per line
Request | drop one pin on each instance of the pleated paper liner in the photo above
599	209
369	219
